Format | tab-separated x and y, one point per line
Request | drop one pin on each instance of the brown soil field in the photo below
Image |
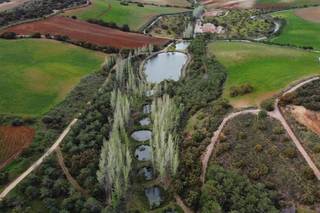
78	30
309	14
306	117
13	140
243	4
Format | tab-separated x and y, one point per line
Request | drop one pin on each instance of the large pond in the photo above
143	153
165	66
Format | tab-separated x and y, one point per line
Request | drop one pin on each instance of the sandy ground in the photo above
306	117
212	4
309	14
11	4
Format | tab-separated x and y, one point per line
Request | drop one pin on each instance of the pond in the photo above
143	153
145	122
146	173
154	196
146	109
182	45
165	66
142	135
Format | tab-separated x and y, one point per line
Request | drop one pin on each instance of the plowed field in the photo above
78	30
13	140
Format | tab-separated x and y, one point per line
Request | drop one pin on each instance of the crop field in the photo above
268	69
37	74
12	141
284	3
83	31
300	30
11	4
113	11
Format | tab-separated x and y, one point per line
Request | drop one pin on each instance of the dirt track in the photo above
35	165
78	30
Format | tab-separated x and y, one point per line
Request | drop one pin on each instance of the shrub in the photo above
139	4
241	90
290	152
8	35
268	105
258	148
36	35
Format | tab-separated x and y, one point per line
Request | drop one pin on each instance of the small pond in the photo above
145	122
142	135
146	173
154	196
146	109
165	66
143	153
182	45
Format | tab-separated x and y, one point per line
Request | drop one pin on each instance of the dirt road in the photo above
38	162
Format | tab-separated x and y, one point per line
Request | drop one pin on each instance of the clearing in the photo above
264	67
81	31
299	31
37	74
113	11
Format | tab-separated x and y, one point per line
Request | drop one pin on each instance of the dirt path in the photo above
276	114
183	206
38	162
66	172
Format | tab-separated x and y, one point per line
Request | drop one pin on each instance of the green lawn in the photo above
37	74
113	11
298	31
267	68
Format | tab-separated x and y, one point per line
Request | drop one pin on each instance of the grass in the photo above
267	68
298	31
113	11
37	74
292	2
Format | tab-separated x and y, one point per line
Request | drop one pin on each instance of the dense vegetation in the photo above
171	26
307	96
35	9
227	191
261	150
243	24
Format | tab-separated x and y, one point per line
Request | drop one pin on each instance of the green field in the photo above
113	11
298	31
37	74
267	68
291	2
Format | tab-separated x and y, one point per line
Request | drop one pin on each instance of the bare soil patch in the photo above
13	140
308	118
83	31
309	14
243	4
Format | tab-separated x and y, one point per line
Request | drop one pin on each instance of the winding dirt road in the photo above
277	114
39	161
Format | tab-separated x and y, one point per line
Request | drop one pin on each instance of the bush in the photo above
258	148
268	105
139	4
36	35
290	152
241	90
8	35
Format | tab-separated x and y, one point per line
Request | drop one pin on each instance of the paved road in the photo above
277	114
39	161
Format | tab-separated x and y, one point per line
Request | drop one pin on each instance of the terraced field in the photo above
37	74
301	28
267	69
113	11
